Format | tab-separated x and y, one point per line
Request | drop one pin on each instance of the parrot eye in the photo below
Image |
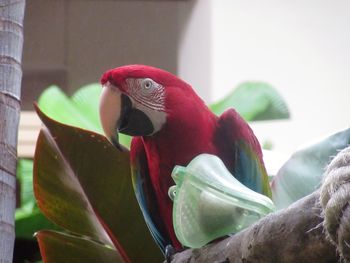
147	84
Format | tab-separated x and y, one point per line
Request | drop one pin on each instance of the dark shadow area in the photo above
26	251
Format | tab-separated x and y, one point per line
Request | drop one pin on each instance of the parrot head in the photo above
138	100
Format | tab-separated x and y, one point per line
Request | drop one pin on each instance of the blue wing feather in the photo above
248	168
241	152
145	197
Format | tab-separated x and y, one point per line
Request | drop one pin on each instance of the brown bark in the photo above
315	229
11	42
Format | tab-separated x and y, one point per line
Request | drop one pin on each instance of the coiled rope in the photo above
335	201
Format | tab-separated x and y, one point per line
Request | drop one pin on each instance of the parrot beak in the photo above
110	110
117	114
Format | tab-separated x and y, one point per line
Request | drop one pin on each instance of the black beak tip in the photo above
117	145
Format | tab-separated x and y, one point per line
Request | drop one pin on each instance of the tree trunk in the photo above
11	43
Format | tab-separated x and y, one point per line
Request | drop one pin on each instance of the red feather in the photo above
190	129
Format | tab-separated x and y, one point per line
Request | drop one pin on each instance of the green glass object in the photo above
210	203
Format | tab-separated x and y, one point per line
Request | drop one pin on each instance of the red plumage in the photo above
190	129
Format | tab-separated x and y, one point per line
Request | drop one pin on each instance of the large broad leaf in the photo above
254	101
80	110
28	217
55	103
59	247
83	184
302	173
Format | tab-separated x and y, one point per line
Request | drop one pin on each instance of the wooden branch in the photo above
311	230
292	235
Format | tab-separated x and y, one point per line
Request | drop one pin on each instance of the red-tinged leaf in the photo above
60	247
79	173
60	195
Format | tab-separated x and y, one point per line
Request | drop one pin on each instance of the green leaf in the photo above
83	184
59	194
54	103
61	247
81	110
25	178
254	101
86	101
302	173
28	217
29	223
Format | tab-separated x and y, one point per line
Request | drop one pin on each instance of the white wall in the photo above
300	47
195	46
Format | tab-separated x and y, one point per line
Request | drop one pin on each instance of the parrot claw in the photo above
169	253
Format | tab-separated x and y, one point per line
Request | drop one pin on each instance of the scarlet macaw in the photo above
170	125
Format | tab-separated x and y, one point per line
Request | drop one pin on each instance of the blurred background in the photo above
299	47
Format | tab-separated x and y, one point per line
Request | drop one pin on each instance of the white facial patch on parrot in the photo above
147	92
149	97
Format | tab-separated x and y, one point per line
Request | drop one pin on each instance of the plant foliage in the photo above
29	218
303	172
83	184
80	110
254	101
